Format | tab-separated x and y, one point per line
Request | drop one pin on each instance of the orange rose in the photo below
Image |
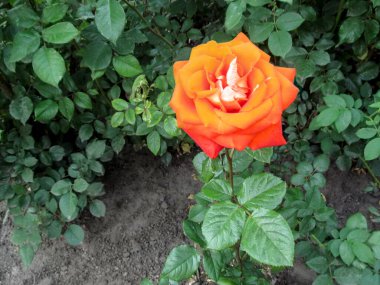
230	95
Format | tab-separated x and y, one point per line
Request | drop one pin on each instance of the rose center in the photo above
231	89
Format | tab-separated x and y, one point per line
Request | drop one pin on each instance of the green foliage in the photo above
233	223
181	263
347	256
65	66
336	109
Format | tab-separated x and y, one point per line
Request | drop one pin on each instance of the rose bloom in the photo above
230	95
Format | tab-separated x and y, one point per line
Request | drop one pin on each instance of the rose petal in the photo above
243	120
208	115
270	75
242	38
202	63
184	107
222	69
288	91
177	66
289	73
236	140
272	118
271	136
212	49
198	81
211	148
258	89
248	55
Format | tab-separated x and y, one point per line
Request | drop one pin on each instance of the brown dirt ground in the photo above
146	203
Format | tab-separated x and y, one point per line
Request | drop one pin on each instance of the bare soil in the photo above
146	203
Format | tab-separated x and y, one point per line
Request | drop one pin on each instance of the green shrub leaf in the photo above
351	29
21	109
24	43
22	16
280	43
54	13
97	208
97	55
321	163
366	133
343	120
346	253
223	225
263	154
127	66
194	232
234	14
49	65
46	110
268	239
357	221
95	149
261	191
289	21
60	33
120	104
26	254
82	100
217	190
80	185
363	252
372	149
323	279
213	264
259	32
181	263
170	126
68	205
347	275
61	187
117	119
66	108
319	264
326	118
74	235
154	142
110	19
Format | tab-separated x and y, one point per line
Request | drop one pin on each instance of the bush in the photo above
79	80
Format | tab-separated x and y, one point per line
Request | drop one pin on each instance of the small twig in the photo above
100	89
338	15
238	257
321	245
4	88
148	24
377	181
6	217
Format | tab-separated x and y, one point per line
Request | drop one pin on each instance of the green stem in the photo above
148	24
377	181
229	155
321	245
230	168
238	257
